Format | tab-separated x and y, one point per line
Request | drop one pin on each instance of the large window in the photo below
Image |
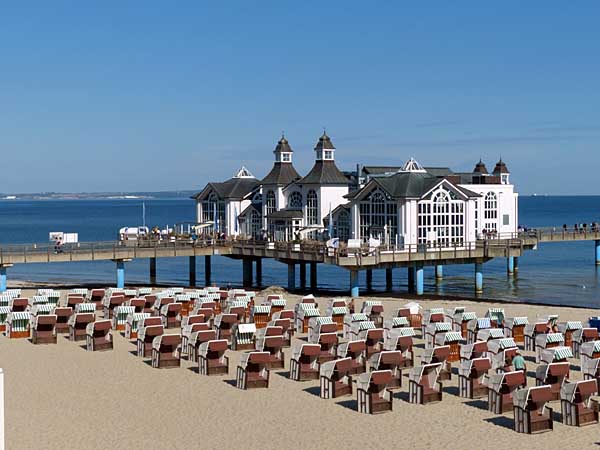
490	211
295	201
441	219
270	203
342	226
211	205
378	217
312	208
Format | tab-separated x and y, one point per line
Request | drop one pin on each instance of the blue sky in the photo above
144	95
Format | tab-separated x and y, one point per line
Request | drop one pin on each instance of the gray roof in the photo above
500	168
234	188
408	185
281	174
380	170
324	172
324	143
250	208
286	214
283	146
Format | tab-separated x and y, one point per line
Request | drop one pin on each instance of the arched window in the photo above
378	215
295	200
312	208
441	219
211	205
342	228
490	211
270	203
255	224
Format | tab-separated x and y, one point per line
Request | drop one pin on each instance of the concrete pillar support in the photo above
597	243
192	271
2	278
120	273
479	278
247	272
152	271
389	279
354	289
291	276
302	275
369	280
510	265
411	279
439	272
420	279
207	270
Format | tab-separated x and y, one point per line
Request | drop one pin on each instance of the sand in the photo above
62	397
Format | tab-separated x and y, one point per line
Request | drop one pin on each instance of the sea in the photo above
554	273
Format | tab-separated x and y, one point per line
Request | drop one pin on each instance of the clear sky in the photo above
153	95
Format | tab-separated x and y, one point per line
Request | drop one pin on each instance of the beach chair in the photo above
590	350
489	334
531	332
304	363
424	386
99	336
74	300
208	314
18	304
212	359
129	293
62	319
253	371
149	301
187	328
185	300
474	326
373	395
475	350
590	369
337	310
438	355
577	407
83	292
4	311
260	315
147	331
556	354
85	308
374	311
531	413
394	323
305	312
581	337
350	320
138	304
450	314
430	316
96	296
552	375
119	317
78	323
270	339
223	323
391	360
319	325
197	338
111	302
160	302
547	340
238	308
335	378
413	312
143	291
243	336
496	316
43	309
454	340
402	340
165	351
568	329
358	329
472	376
373	337
132	322
277	304
460	321
432	329
502	352
43	329
356	350
501	389
514	327
170	314
286	325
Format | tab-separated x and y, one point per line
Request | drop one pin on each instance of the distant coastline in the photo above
96	195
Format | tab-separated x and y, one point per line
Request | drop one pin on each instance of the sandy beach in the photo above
61	396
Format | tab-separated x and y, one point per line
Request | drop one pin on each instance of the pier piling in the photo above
597	243
207	270
291	276
2	278
478	278
389	279
354	289
439	272
120	273
247	272
411	279
419	275
369	280
302	275
153	271
313	276
259	272
192	271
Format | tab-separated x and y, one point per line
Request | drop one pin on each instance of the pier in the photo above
412	257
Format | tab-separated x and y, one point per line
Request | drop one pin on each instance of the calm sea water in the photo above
556	273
